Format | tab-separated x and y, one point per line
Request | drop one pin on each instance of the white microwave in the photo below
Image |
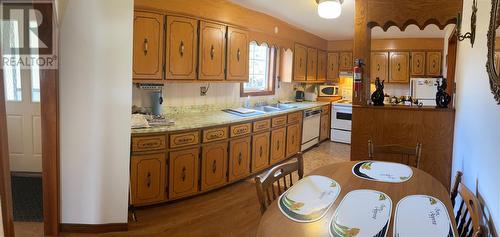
328	90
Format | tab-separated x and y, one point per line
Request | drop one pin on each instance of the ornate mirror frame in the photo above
490	65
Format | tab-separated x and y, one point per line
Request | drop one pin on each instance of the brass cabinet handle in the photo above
181	49
214	166
260	151
239	158
293	139
238	55
332	67
212	52
148	179
145	46
378	67
300	62
399	67
277	145
183	173
434	64
418	62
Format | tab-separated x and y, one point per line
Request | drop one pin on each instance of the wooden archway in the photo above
401	13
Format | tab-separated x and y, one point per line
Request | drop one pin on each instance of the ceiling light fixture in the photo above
329	9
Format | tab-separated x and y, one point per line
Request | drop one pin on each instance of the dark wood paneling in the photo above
407	126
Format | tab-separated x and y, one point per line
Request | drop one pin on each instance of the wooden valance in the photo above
260	37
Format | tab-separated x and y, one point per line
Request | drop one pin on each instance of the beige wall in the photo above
477	126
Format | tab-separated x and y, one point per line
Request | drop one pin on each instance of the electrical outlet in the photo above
203	90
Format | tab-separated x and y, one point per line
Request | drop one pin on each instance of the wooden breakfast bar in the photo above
407	126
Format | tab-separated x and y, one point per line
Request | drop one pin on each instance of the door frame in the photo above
49	113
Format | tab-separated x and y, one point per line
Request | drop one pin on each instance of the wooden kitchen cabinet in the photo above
212	51
147	178
433	64
293	140
300	63
312	64
417	63
379	66
333	67
148	46
322	65
399	71
346	61
183	178
278	140
213	165
324	132
182	48
260	151
239	158
237	54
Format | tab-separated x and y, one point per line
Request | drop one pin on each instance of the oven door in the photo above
342	118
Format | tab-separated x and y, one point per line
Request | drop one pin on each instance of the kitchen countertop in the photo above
195	120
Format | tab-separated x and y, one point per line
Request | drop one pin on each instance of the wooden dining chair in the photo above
405	152
468	212
271	184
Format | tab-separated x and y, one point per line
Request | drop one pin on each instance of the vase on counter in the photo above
442	98
378	96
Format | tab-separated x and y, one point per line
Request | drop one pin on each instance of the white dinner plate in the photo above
309	199
382	171
422	215
362	213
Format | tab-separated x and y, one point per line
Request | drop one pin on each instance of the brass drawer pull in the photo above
145	46
277	145
183	174
418	62
399	67
238	55
214	166
239	158
181	49
378	67
293	139
212	52
260	151
148	179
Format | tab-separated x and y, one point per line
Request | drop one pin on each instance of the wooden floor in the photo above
230	211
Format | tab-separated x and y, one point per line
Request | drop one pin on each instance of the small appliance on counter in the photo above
424	90
156	101
299	94
328	91
311	96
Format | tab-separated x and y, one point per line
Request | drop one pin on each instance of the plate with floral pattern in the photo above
382	171
362	213
422	215
309	199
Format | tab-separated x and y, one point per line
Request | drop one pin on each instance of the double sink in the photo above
262	109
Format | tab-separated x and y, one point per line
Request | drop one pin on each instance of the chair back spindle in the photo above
406	153
467	216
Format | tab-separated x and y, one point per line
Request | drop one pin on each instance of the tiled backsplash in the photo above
181	96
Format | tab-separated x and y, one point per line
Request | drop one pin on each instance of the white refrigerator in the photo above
424	90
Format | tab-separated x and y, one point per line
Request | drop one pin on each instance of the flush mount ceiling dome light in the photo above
329	9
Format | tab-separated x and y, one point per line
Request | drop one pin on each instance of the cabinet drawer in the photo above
214	134
148	143
261	125
325	110
241	129
295	117
184	139
278	121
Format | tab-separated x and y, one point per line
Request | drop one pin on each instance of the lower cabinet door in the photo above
278	138
147	178
213	165
239	158
325	128
293	140
260	151
183	173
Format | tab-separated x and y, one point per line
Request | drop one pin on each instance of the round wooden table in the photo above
274	224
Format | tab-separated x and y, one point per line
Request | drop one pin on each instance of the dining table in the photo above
274	224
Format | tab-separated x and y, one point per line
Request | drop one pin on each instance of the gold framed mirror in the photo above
493	64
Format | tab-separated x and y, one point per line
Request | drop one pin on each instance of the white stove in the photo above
341	121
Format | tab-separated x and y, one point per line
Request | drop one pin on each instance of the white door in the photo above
22	92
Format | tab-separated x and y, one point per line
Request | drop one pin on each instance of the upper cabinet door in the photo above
346	61
399	72
418	63
237	55
299	63
212	58
333	66
322	65
182	39
312	64
433	63
379	66
148	46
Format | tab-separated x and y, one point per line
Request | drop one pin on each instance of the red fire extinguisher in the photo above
358	78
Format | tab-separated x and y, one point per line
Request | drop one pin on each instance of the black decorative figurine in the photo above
378	95
442	98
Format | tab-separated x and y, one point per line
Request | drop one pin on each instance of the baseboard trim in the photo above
94	228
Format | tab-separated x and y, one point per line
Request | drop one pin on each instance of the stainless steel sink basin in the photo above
283	106
267	108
